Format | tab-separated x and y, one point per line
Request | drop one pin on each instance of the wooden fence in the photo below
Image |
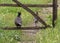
25	6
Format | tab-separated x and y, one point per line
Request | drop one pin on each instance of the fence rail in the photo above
23	28
28	5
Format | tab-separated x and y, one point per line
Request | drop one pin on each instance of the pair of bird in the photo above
18	20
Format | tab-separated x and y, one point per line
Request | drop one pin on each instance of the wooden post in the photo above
54	12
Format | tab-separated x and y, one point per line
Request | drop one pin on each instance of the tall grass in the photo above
7	16
50	35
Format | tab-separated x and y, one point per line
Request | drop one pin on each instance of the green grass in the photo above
8	14
50	35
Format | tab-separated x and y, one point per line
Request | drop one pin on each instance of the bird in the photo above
18	20
35	20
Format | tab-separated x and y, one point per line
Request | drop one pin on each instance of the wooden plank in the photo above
23	28
54	12
28	5
30	11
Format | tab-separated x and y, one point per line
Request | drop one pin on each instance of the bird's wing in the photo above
18	21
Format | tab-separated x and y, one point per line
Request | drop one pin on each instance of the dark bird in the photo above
18	20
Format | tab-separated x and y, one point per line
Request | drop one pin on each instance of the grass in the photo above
50	35
8	14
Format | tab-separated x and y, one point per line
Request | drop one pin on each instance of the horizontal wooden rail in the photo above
23	28
28	5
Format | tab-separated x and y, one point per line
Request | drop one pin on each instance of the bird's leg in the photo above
36	23
18	27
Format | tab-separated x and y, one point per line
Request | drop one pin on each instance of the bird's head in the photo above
19	14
